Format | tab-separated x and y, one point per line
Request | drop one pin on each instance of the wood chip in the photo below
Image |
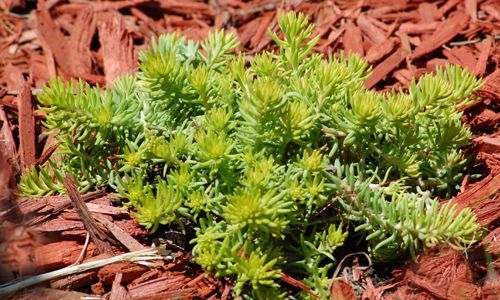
146	276
248	31
47	154
353	40
6	183
124	238
146	21
266	39
54	39
491	10
79	41
375	34
38	209
434	290
106	209
225	293
59	224
378	51
71	55
386	66
412	28
332	38
480	191
46	293
188	293
487	210
342	289
26	128
427	12
59	254
491	87
98	236
159	286
484	53
261	30
75	282
14	78
119	56
186	7
325	25
462	56
448	5
447	30
118	292
471	9
492	242
490	291
130	271
8	150
75	8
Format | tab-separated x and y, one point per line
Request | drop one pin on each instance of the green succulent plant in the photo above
272	160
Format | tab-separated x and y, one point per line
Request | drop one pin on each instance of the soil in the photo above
99	40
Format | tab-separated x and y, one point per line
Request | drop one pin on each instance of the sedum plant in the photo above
274	160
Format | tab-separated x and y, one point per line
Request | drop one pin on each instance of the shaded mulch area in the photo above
99	40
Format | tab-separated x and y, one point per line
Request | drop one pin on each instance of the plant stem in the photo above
137	256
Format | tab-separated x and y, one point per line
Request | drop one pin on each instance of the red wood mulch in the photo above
97	41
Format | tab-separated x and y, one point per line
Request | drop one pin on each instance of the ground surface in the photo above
97	41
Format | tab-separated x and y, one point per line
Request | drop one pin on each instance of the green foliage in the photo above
274	160
397	221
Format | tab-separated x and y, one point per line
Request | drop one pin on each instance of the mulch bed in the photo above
99	40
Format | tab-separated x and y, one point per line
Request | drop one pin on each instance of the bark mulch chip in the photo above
99	40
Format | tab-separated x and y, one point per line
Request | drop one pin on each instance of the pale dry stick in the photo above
137	256
339	267
474	41
84	249
467	42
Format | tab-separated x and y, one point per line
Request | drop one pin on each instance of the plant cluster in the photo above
273	157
